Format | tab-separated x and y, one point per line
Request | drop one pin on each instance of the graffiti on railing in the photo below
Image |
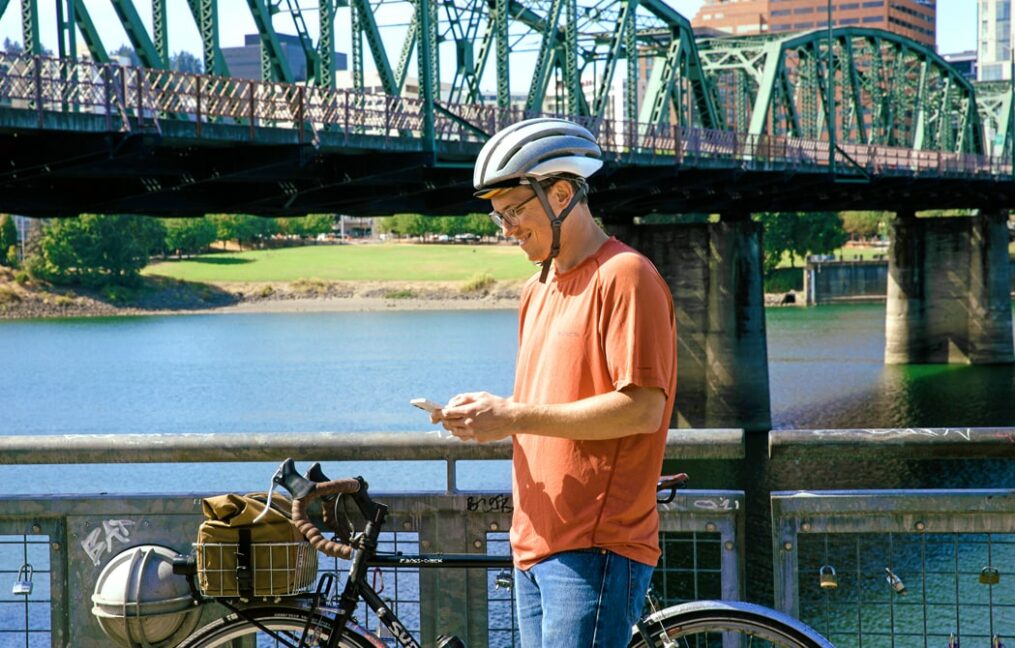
940	433
490	504
100	540
717	504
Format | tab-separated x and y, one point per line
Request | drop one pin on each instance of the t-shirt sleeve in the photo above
637	323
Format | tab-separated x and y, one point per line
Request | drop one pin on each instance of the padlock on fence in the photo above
828	578
23	582
895	582
989	576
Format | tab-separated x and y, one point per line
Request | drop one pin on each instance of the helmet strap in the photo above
555	222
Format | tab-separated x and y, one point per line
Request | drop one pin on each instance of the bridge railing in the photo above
130	98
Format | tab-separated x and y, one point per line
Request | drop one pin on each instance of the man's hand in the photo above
478	416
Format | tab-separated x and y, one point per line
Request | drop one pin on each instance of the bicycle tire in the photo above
287	621
709	624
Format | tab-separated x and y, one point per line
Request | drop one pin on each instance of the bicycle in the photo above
313	620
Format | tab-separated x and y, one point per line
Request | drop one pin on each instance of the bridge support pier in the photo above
714	272
949	291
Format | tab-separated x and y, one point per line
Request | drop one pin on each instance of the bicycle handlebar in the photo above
309	530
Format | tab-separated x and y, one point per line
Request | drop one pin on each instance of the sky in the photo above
956	23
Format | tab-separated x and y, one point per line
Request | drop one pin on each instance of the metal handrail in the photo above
151	97
330	446
893	443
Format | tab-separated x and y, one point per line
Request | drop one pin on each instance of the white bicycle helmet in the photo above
533	150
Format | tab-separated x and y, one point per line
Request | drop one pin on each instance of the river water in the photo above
355	372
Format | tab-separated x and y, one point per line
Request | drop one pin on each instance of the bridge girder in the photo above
888	90
994	101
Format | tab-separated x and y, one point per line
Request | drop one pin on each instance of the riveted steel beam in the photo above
545	59
893	91
324	73
274	65
30	26
89	34
367	26
138	34
205	13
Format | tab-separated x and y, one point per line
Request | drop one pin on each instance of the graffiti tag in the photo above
100	540
720	504
493	504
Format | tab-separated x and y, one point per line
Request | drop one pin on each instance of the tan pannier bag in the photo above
237	558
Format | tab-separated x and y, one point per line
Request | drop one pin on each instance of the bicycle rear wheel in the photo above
724	624
272	627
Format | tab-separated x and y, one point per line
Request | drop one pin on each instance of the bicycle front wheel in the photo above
272	627
724	624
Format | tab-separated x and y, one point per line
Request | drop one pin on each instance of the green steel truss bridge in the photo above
727	125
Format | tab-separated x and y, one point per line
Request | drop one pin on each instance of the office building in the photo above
245	62
964	62
993	42
913	19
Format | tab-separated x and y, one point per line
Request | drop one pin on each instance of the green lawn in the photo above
847	253
381	262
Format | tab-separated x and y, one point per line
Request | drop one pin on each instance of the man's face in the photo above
531	225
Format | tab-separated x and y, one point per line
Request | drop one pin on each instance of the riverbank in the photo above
162	296
158	296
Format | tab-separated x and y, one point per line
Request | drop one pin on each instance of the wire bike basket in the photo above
255	569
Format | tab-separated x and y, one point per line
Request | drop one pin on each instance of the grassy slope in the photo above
380	262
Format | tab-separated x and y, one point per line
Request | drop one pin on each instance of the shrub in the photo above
399	293
21	276
266	291
12	257
480	283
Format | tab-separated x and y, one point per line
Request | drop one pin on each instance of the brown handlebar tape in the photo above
310	530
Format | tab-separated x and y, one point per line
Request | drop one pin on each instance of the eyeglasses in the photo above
509	217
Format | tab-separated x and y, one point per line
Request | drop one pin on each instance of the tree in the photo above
8	237
12	47
865	224
314	224
127	55
243	228
481	224
95	250
799	233
189	235
184	61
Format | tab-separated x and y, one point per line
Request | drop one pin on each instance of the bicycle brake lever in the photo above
287	477
267	503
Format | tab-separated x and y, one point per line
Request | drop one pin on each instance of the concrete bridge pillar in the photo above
714	272
948	291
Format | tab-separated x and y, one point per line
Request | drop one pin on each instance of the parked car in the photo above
467	237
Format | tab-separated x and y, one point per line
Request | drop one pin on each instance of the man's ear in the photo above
563	191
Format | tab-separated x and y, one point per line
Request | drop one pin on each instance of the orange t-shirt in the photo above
606	324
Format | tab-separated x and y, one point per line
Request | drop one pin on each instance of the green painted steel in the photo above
66	33
994	103
367	27
886	90
426	53
160	32
274	65
138	34
89	33
501	23
30	26
890	91
324	73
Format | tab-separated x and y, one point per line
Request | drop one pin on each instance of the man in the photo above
594	389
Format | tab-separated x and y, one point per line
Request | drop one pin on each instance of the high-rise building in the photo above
964	62
993	43
913	19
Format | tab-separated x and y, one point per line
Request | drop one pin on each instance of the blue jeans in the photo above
580	599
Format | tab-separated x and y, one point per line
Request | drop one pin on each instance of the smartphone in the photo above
426	404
